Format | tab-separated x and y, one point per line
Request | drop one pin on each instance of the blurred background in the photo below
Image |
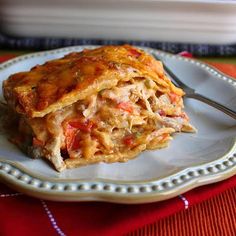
204	28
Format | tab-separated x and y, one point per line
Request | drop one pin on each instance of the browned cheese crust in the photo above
61	82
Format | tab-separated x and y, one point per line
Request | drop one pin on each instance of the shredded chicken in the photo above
118	115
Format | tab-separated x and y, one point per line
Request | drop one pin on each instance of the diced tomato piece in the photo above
134	53
129	140
37	142
76	142
83	126
72	138
126	106
73	129
70	133
164	136
162	113
173	97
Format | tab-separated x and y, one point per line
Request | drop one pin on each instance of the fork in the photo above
190	93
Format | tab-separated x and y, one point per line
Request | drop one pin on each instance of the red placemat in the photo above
23	215
213	217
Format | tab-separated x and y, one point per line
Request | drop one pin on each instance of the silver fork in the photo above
190	93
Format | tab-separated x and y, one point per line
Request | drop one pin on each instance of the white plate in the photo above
191	160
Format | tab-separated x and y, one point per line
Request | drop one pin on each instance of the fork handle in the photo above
212	103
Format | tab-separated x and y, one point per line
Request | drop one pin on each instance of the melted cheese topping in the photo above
61	82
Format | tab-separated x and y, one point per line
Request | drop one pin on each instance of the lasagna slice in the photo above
102	105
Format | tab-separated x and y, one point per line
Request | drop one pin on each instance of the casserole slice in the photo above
102	105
